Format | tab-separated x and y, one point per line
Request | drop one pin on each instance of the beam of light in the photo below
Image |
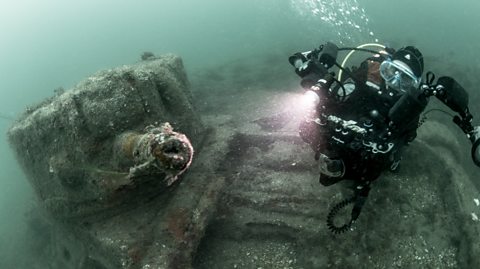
309	100
302	105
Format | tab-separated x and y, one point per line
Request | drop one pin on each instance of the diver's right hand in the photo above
475	138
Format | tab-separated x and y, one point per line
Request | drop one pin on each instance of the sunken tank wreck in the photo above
112	132
106	158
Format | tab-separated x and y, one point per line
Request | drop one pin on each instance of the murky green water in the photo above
49	44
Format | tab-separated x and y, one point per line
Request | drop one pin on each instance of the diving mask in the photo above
398	75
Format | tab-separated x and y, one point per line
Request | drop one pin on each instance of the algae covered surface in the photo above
251	198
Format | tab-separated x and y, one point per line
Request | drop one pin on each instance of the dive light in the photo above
310	99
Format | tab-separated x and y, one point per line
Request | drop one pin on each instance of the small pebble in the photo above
474	217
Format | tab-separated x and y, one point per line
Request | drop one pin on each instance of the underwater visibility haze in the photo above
235	55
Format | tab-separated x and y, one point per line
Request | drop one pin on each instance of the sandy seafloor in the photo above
273	211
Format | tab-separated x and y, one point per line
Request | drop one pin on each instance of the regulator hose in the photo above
361	194
334	211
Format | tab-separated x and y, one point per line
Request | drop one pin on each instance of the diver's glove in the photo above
320	85
475	138
311	79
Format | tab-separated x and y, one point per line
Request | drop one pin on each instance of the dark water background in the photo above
53	43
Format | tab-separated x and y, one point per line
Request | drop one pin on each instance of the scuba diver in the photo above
359	122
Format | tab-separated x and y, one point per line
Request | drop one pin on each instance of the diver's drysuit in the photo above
361	121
